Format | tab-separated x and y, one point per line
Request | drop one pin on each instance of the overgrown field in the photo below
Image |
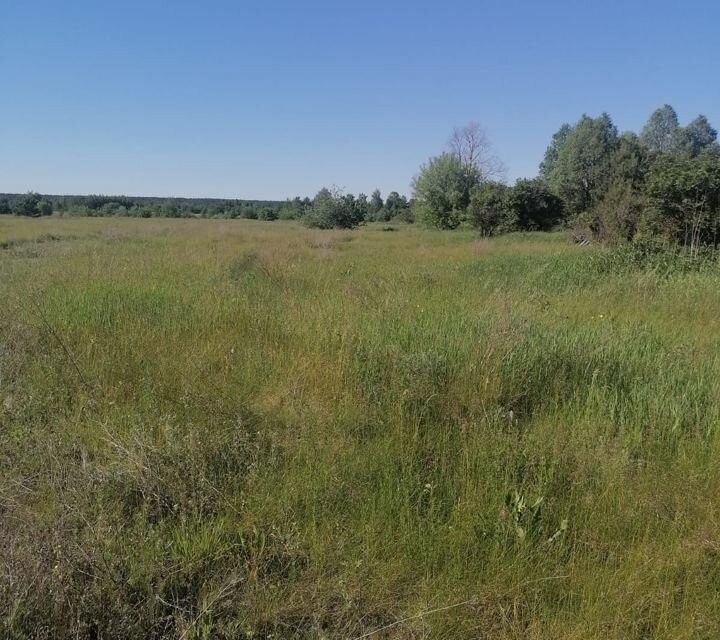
242	429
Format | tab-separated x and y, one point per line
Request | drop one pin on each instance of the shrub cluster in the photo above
331	208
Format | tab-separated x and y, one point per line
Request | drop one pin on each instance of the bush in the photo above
268	214
332	209
44	208
292	209
533	207
615	219
528	206
684	194
27	205
487	211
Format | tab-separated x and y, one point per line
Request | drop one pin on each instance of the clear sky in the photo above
278	98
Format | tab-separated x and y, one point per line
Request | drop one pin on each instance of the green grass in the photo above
236	429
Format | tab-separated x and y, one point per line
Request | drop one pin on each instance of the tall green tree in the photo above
442	191
629	162
696	136
376	203
553	151
395	205
581	172
614	217
487	210
361	207
660	134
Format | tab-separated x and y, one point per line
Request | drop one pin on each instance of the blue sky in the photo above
273	99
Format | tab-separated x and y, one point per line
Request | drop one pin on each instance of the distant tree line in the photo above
661	184
34	204
329	208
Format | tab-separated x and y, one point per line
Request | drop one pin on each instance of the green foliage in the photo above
44	208
685	195
375	205
169	209
552	154
31	204
663	134
613	220
581	166
696	136
96	202
588	160
442	191
525	516
268	214
406	213
662	259
292	209
249	213
487	210
629	188
660	134
533	207
334	210
529	205
362	208
395	206
629	163
149	207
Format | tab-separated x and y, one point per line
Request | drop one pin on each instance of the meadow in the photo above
242	429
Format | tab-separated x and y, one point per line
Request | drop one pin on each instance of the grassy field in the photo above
237	429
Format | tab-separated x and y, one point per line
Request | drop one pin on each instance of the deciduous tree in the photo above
696	136
660	134
472	147
442	190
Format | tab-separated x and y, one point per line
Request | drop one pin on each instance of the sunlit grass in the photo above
245	429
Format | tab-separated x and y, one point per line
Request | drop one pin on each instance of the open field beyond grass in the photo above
241	429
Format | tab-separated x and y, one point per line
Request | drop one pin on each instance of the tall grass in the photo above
247	430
